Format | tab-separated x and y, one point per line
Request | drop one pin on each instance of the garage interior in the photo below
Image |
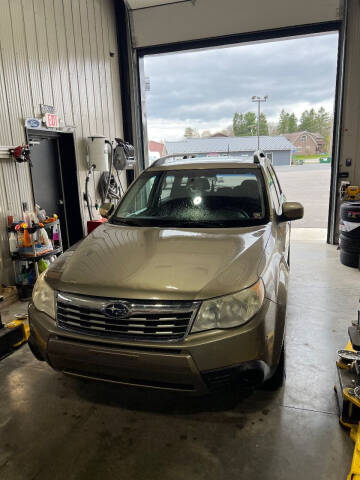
79	63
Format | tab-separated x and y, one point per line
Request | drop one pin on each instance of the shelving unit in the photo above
19	259
36	258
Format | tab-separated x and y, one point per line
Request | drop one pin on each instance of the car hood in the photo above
161	263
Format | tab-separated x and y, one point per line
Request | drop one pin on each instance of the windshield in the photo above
189	198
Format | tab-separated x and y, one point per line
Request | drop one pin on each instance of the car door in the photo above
283	227
277	273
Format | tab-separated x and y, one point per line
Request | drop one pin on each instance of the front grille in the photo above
143	320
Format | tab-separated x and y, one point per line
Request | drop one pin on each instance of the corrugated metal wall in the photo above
61	53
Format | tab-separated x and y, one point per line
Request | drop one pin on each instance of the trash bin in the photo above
350	234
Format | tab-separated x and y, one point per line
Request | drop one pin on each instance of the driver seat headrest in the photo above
201	184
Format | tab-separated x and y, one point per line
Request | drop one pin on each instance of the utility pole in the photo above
258	100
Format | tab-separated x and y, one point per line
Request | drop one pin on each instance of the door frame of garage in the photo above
135	63
73	231
334	199
128	68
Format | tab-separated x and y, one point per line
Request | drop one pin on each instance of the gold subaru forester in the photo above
183	289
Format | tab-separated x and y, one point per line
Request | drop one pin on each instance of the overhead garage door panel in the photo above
187	20
135	4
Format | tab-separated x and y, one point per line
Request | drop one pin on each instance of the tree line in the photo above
245	124
310	120
319	121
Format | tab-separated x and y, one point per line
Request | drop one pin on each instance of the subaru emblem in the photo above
116	310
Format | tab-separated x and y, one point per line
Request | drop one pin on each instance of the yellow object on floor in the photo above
25	328
355	464
351	406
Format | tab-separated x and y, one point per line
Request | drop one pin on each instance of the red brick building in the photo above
307	143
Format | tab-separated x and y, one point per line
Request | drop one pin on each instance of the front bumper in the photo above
201	363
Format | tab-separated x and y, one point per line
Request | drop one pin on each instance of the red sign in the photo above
51	120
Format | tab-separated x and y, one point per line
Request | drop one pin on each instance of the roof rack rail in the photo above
259	154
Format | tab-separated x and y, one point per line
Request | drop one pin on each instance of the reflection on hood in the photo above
161	263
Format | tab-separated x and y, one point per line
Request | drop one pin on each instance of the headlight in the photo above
230	311
43	296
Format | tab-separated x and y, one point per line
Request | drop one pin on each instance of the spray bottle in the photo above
13	243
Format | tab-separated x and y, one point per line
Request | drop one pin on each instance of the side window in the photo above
139	201
270	156
276	181
167	187
273	193
184	181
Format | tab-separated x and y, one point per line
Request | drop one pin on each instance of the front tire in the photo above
278	378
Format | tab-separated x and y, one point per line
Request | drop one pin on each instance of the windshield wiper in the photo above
127	221
156	222
202	224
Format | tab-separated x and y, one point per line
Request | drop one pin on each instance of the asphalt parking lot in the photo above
309	185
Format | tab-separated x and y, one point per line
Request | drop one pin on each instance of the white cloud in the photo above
204	88
160	129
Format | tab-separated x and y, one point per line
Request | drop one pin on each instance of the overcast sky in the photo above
202	89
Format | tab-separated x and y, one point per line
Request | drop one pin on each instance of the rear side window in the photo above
167	187
276	181
274	192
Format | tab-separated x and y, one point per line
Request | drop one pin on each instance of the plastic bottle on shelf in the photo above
27	219
13	243
23	276
27	236
20	238
40	213
55	236
27	215
43	237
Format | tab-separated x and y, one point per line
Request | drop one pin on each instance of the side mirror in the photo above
106	209
291	211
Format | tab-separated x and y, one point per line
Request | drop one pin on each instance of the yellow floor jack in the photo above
13	335
347	389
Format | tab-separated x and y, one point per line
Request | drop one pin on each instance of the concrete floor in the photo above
53	427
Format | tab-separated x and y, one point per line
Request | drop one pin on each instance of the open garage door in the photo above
160	27
156	22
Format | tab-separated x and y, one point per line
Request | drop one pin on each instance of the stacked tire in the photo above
350	234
